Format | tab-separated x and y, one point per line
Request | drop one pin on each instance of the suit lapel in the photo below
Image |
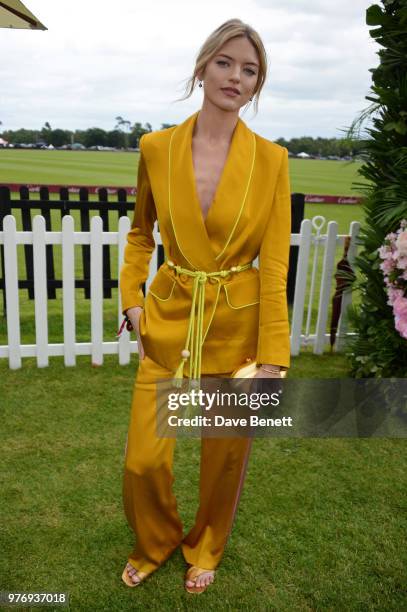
203	243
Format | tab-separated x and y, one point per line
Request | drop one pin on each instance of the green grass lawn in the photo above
120	169
320	524
68	167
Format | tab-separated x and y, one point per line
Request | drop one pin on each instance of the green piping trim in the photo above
169	201
244	199
160	298
237	307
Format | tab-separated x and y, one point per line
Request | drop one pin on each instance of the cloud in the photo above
98	60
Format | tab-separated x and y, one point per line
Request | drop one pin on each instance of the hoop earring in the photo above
200	83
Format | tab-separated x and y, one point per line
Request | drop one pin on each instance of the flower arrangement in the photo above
394	267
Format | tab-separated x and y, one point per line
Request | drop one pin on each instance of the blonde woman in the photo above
221	195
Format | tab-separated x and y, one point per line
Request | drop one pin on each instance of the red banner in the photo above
34	188
330	199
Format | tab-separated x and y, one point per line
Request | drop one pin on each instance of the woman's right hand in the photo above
134	315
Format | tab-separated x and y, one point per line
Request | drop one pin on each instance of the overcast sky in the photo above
100	59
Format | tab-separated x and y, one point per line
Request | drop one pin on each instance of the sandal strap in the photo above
140	574
194	571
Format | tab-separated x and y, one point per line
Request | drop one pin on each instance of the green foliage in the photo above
378	350
120	137
321	146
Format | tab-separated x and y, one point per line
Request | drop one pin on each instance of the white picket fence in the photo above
310	244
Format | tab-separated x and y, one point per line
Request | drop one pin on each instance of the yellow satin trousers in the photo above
150	505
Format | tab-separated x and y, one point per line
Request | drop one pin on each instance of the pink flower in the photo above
401	243
387	265
400	306
394	260
402	263
384	252
394	293
401	326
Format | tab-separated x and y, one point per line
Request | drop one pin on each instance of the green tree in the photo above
93	137
46	133
115	138
137	131
125	126
20	136
378	350
60	137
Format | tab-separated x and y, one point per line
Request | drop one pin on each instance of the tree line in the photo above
125	135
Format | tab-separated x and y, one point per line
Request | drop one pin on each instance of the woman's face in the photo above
235	66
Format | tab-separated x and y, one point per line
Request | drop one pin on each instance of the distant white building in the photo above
303	154
3	143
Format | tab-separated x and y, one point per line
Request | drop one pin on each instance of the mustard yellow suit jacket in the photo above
250	216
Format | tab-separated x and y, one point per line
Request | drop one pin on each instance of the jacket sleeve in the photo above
140	241
274	335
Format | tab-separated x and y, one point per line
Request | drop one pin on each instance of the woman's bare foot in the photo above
202	580
134	574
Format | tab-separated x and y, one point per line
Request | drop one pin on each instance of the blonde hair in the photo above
230	29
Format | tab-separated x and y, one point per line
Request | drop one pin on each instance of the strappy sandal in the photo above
192	574
129	581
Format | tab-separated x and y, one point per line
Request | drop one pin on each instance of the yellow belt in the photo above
195	338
